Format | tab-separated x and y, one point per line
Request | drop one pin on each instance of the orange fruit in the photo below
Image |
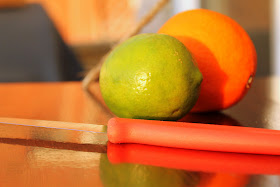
223	51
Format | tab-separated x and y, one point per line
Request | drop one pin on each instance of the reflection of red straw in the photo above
193	160
223	180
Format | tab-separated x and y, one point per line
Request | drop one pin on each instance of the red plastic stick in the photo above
194	136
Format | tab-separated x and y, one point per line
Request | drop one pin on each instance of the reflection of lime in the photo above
150	76
140	175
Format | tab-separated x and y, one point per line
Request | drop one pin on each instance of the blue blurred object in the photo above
31	49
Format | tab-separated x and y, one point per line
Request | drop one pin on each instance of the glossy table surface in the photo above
32	156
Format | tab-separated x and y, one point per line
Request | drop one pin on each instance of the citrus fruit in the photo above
150	76
223	51
137	175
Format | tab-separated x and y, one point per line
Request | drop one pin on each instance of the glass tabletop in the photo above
58	157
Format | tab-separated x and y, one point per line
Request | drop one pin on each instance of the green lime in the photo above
137	175
150	76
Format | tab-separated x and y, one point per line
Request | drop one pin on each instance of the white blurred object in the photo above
183	5
159	19
172	8
275	40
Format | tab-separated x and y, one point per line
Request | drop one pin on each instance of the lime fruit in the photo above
137	175
150	76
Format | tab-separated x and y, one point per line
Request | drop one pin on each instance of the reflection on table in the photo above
39	158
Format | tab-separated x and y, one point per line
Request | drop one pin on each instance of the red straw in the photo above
194	136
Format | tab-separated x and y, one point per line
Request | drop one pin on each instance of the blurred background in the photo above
42	40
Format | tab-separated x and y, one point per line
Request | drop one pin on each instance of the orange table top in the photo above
33	157
62	101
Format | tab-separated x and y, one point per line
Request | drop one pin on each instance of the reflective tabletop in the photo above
35	156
